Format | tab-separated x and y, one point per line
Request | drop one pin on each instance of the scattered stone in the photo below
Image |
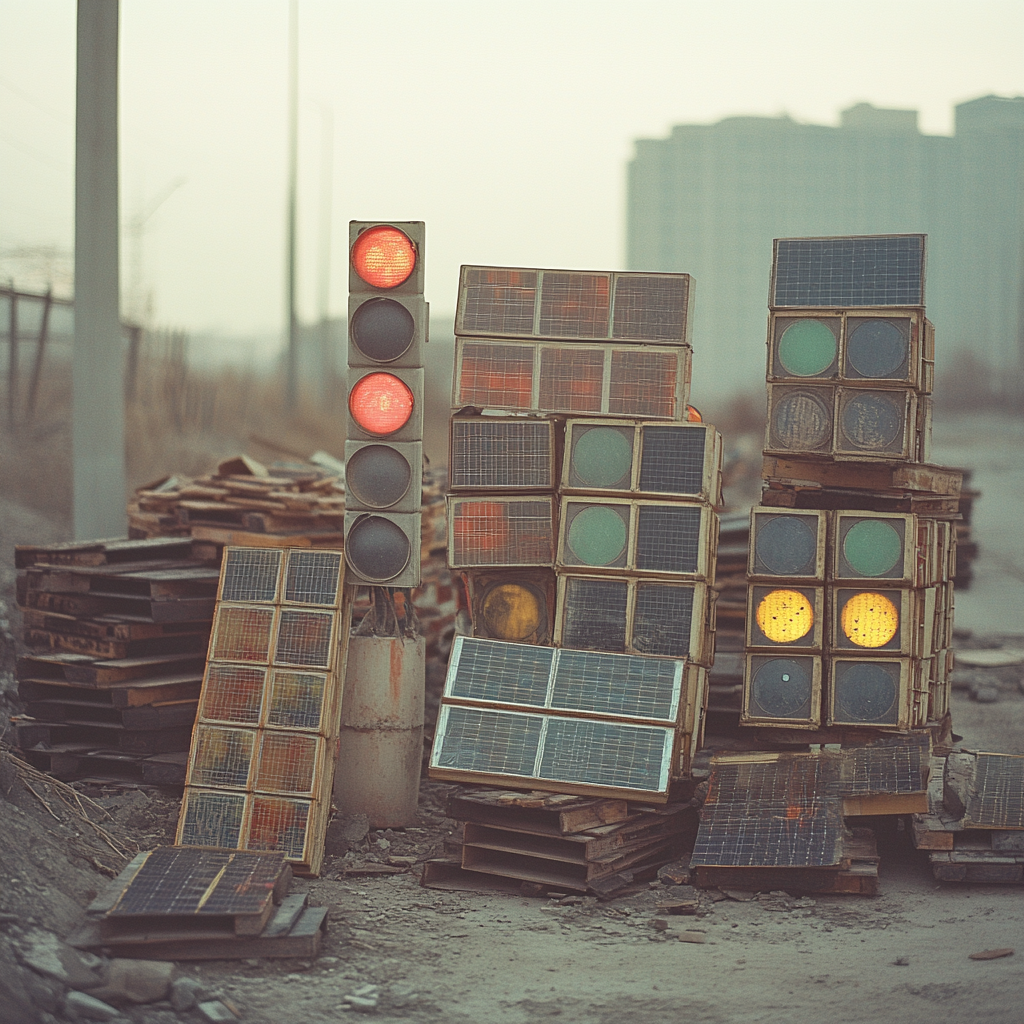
698	937
215	1012
901	961
676	873
571	901
136	981
46	954
678	907
660	924
363	999
78	1004
738	895
186	993
991	954
402	862
531	889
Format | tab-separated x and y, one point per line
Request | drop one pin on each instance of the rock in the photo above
698	937
79	1004
215	1012
660	924
186	993
363	999
901	961
135	981
47	955
676	873
354	828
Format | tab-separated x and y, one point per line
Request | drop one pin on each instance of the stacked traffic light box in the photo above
850	594
581	515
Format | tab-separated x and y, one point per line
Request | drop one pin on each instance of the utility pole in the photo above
98	475
326	218
293	160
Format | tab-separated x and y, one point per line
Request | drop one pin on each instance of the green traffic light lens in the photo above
597	535
872	547
383	329
807	348
602	457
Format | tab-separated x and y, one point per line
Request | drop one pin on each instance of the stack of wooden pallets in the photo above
244	502
973	829
120	630
185	903
557	842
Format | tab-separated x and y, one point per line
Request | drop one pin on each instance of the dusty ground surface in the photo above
427	955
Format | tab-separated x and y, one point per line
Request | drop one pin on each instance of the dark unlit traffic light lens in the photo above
786	546
872	421
597	535
807	348
378	476
383	329
602	457
802	420
872	547
864	692
781	688
377	549
877	348
383	256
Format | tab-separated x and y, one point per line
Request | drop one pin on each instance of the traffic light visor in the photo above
383	256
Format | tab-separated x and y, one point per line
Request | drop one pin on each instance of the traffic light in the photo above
387	329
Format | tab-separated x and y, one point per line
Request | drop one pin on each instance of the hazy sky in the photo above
506	127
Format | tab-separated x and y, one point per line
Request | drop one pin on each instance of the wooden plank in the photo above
487	808
247	539
140	608
450	876
167	715
885	804
113	737
122	670
107	627
175	643
822	880
578	789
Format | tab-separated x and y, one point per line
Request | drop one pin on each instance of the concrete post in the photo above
98	367
381	747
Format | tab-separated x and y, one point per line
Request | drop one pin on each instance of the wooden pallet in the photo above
103	552
536	812
29	733
71	762
80	668
898	477
126	695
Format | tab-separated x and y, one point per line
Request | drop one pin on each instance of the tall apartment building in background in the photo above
709	199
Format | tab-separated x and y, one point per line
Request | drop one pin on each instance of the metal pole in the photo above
326	217
12	366
37	368
293	150
98	366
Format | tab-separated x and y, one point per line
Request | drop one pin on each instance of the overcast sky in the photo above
506	127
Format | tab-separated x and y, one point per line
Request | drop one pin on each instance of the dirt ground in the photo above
494	958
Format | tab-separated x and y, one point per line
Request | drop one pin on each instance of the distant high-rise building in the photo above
709	199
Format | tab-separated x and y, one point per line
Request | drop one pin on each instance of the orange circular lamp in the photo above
384	257
381	403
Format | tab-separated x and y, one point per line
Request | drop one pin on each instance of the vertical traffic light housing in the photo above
387	328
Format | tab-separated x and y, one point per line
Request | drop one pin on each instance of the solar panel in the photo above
221	757
313	577
305	638
674	460
870	270
997	797
668	538
590	305
770	813
893	764
279	823
186	880
211	818
250	574
296	699
589	682
232	693
489	454
580	379
242	633
594	613
286	763
496	531
599	754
